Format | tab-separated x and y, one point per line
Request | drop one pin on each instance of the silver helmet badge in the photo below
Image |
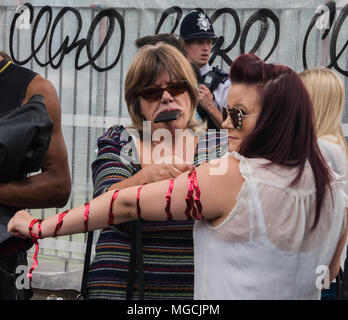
203	22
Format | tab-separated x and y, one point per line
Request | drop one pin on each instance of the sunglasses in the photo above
155	93
236	116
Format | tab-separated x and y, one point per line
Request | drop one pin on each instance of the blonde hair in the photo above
149	63
326	91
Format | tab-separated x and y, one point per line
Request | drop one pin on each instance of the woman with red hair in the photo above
268	223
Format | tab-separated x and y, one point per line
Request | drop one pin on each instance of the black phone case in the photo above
167	116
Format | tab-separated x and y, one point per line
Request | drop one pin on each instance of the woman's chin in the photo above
171	125
233	147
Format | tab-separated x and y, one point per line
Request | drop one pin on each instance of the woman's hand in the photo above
153	173
18	226
158	172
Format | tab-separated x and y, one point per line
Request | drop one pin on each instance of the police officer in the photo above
198	33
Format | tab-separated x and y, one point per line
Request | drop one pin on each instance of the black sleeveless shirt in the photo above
14	81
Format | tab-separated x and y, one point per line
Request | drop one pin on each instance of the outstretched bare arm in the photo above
217	194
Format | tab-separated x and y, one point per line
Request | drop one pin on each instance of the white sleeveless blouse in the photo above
264	249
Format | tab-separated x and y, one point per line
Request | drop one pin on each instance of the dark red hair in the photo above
284	132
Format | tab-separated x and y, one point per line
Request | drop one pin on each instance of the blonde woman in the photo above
327	94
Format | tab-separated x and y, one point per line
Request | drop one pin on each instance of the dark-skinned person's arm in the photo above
51	187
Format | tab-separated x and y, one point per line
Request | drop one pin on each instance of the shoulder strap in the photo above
219	76
136	263
213	78
83	290
131	266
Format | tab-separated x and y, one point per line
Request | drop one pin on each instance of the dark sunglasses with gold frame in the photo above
236	116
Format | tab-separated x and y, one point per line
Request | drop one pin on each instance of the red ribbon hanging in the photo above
34	238
197	196
169	197
193	188
111	214
189	196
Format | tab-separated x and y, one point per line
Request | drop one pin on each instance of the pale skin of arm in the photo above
51	188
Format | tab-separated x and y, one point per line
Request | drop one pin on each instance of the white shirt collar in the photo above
205	69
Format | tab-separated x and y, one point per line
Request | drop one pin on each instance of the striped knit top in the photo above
167	245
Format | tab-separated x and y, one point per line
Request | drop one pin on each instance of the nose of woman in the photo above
227	123
166	97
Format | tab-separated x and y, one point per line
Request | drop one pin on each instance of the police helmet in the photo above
197	25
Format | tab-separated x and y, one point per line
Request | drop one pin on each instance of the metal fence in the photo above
92	98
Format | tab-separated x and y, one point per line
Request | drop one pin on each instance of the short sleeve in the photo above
115	159
343	230
336	158
221	94
244	166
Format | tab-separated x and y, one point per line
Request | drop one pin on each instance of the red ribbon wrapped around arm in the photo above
60	222
189	197
138	200
191	200
111	214
169	198
39	228
86	215
197	197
